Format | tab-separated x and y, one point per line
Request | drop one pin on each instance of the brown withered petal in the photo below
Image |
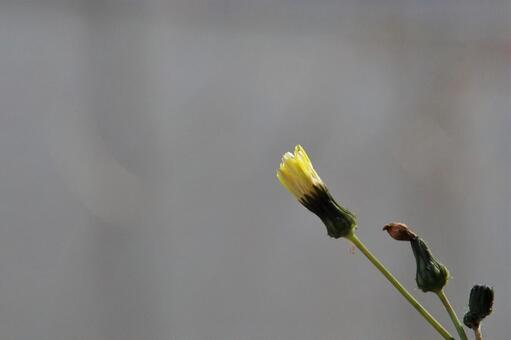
400	231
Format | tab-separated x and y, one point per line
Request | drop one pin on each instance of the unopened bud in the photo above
399	231
297	174
431	275
480	306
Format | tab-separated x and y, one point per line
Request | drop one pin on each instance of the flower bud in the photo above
297	174
431	275
480	306
399	231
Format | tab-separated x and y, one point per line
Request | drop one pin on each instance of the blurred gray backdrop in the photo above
139	142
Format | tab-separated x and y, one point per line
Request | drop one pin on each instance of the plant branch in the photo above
452	314
400	288
477	333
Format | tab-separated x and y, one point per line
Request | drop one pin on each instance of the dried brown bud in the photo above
400	231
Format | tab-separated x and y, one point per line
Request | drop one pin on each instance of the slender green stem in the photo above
477	333
425	314
452	314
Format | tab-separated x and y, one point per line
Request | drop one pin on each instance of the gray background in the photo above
139	142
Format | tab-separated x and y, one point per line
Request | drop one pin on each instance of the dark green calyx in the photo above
431	275
339	221
480	306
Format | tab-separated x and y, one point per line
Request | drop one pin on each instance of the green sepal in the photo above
339	221
431	275
480	305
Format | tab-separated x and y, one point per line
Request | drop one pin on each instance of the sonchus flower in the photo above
431	275
299	177
480	306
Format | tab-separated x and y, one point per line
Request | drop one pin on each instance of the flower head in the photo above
480	305
431	275
297	174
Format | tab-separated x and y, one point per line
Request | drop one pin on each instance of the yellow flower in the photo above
297	174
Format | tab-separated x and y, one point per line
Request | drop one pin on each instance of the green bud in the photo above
338	220
480	306
431	275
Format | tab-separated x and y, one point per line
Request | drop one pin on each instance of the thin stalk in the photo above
406	294
452	314
477	333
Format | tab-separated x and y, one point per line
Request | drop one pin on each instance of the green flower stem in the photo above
477	333
452	314
425	314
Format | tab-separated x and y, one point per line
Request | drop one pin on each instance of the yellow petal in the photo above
297	174
286	179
